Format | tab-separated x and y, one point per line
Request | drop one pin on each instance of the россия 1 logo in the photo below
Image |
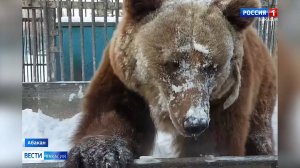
259	12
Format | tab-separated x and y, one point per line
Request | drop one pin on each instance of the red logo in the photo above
273	12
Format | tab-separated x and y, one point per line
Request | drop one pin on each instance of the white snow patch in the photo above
163	147
200	48
187	74
198	112
79	95
275	127
72	96
196	46
183	87
185	48
146	160
58	132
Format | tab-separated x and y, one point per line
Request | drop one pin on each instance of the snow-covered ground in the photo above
39	125
59	132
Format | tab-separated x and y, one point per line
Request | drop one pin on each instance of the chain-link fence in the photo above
63	40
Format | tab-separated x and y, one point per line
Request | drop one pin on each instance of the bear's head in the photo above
180	55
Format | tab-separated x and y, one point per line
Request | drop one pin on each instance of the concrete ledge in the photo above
58	99
203	162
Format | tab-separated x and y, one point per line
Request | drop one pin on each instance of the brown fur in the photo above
111	109
240	105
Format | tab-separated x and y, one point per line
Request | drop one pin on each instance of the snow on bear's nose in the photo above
197	119
195	126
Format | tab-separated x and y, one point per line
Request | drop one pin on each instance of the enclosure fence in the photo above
63	40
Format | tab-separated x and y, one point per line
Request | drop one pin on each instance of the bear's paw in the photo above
100	152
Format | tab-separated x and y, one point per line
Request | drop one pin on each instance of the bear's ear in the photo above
137	9
231	10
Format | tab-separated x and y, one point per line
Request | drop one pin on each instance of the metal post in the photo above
93	37
82	41
39	76
70	40
43	48
25	58
52	34
85	10
46	40
60	41
105	20
117	6
34	45
23	51
30	47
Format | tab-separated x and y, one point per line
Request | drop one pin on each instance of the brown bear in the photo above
192	68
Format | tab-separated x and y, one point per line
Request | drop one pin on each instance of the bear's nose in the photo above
193	125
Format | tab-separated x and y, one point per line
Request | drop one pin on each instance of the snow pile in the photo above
163	147
58	132
275	128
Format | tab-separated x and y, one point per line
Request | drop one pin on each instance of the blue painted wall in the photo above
100	46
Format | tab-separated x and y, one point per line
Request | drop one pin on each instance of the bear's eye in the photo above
210	69
171	65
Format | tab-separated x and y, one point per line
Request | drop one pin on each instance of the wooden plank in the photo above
203	162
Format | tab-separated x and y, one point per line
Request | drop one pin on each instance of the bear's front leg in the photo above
100	152
116	123
112	139
104	140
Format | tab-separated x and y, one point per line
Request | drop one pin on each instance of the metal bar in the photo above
73	9
53	50
93	37
85	12
34	44
275	37
26	78
46	40
23	52
60	42
117	11
39	76
82	42
71	55
43	47
30	47
36	64
266	32
105	20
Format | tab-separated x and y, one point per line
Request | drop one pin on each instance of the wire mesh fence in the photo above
63	40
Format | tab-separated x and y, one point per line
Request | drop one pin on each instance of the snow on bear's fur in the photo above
191	68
